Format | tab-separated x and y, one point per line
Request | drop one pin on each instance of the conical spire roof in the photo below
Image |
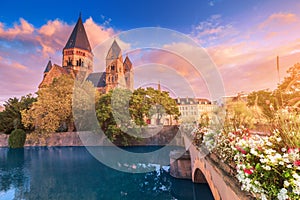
114	51
48	67
127	63
78	37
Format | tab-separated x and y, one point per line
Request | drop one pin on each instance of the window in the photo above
112	68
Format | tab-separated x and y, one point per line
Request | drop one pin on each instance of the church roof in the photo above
98	79
127	64
114	51
48	67
78	37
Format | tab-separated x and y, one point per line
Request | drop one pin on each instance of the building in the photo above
192	109
78	60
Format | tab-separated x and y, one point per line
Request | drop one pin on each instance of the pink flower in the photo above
241	150
291	150
248	171
297	163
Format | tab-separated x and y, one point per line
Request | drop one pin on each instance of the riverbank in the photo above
159	135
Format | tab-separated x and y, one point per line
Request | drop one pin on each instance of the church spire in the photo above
48	67
114	52
78	37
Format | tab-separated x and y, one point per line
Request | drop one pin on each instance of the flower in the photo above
297	163
282	195
248	171
286	183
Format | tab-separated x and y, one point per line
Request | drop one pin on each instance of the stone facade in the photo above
78	59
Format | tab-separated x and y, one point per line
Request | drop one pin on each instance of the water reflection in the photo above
71	173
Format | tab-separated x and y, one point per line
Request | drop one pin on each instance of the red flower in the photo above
297	163
248	171
241	150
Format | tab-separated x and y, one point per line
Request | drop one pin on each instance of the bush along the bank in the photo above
17	139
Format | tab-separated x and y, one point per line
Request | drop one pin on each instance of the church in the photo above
78	59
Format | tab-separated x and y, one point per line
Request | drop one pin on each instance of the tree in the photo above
120	110
162	104
17	138
268	101
10	118
53	109
290	87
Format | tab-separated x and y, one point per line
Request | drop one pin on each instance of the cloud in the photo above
25	49
247	60
97	33
278	19
213	30
23	28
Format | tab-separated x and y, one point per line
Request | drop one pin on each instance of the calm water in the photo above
72	173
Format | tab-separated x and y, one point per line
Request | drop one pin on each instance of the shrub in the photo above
17	139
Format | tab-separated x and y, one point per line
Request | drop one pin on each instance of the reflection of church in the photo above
78	58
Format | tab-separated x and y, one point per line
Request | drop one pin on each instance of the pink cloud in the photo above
279	19
26	50
96	33
23	28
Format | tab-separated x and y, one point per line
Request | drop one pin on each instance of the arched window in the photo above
112	79
112	68
109	79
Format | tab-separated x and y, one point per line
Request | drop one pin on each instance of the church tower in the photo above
114	68
128	73
77	54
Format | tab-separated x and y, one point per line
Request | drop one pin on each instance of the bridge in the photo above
209	169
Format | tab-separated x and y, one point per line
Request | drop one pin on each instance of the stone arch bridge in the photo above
208	169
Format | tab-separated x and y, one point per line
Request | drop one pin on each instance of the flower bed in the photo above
267	169
268	166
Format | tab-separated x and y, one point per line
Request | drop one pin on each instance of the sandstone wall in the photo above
151	136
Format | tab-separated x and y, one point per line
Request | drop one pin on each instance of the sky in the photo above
241	37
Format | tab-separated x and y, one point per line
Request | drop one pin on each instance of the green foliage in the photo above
83	101
238	115
291	82
53	108
120	111
287	126
155	103
17	139
266	100
10	118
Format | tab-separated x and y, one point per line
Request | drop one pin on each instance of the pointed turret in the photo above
114	52
78	38
48	67
77	54
127	64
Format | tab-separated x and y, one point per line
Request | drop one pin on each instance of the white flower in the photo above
253	151
289	166
281	163
263	160
269	143
266	167
282	195
263	197
286	183
278	139
283	149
